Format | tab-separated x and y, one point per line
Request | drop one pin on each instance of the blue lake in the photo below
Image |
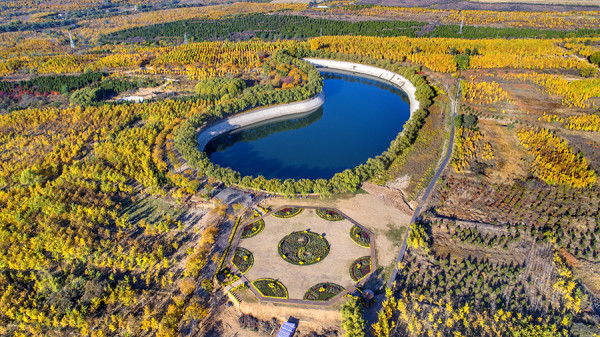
359	119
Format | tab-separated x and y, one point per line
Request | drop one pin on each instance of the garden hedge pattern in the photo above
253	229
303	248
287	212
360	236
360	268
323	292
329	215
242	259
270	288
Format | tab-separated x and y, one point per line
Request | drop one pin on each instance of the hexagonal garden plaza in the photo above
302	255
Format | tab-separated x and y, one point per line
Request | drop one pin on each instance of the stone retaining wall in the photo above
257	116
311	104
379	74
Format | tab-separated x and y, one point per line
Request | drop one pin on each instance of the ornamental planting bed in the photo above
360	236
242	259
360	268
303	248
300	255
226	277
270	288
323	292
329	214
288	212
253	229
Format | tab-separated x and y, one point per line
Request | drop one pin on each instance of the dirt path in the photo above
427	192
145	93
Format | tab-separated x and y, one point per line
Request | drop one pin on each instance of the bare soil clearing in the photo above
226	322
508	152
586	142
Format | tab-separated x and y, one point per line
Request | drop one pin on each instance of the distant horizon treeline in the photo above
273	27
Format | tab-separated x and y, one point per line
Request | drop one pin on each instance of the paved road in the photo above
427	191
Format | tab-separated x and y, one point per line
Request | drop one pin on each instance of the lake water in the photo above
359	119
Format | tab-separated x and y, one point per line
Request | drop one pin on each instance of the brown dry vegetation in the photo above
412	171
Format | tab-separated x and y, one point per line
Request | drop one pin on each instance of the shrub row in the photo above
57	83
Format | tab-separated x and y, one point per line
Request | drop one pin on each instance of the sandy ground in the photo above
310	319
298	279
145	93
507	151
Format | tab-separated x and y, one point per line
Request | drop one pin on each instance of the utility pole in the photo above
461	25
72	43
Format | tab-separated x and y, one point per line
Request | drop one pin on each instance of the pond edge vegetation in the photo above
348	180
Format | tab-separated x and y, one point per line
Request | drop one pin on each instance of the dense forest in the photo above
273	27
476	32
56	83
268	27
21	26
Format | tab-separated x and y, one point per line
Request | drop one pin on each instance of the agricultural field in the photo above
480	218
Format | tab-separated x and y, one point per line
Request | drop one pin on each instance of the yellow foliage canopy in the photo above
554	161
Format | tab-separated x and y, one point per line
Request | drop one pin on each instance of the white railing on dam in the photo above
257	116
311	104
383	75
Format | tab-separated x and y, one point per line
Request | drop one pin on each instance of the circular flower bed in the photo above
242	259
303	248
252	229
360	268
360	236
288	212
323	292
329	214
270	288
